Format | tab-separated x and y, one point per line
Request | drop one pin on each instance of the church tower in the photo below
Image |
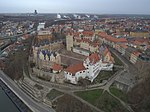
69	42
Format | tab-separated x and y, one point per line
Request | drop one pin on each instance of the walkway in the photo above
34	106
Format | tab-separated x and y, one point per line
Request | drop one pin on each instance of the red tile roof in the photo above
77	34
110	38
136	53
88	33
57	67
121	39
94	58
106	51
112	59
75	68
86	40
124	46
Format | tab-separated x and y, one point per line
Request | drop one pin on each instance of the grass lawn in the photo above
117	60
109	104
104	101
90	96
53	94
120	94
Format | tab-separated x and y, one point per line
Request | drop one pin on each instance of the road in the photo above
109	83
35	106
129	66
72	90
68	91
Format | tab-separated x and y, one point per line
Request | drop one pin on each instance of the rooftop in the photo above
94	58
75	68
57	67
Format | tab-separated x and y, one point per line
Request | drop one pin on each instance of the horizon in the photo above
70	13
67	6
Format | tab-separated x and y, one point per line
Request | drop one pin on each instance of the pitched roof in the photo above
106	51
88	33
121	39
94	58
77	34
75	68
136	53
110	38
57	67
124	46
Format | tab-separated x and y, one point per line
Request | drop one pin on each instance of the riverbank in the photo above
12	99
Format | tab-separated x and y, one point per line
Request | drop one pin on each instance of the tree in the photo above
143	70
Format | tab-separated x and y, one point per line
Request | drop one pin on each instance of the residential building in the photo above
140	34
44	34
40	26
134	57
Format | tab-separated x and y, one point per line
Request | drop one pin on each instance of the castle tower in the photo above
69	42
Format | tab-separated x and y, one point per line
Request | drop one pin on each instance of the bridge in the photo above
34	106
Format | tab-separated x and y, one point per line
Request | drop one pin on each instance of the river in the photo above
6	105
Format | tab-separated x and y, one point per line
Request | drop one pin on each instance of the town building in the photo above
44	35
89	68
40	26
134	57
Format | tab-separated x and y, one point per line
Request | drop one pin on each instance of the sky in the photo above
76	6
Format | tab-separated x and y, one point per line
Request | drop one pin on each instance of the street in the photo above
35	106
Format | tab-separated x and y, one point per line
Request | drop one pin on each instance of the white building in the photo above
41	26
89	69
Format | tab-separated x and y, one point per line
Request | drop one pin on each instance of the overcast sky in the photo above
76	6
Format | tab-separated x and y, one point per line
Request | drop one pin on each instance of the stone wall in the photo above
41	73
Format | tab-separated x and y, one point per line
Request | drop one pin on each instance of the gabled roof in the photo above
88	33
94	58
124	46
112	39
57	67
86	40
136	53
121	40
106	51
75	68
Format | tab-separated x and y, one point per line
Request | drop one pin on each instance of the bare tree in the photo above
143	71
